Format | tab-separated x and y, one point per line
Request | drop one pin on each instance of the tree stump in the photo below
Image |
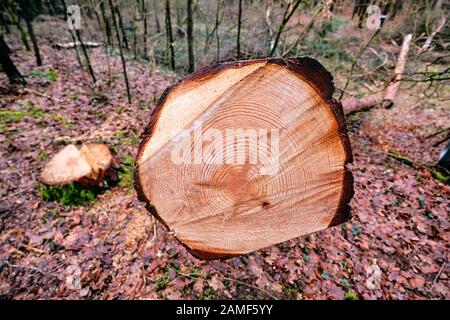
89	165
247	154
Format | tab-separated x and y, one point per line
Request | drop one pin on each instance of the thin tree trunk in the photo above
122	29
8	66
144	16
217	31
37	53
74	40
155	13
190	38
2	18
169	35
86	56
96	14
238	38
286	16
134	40
114	9
25	7
16	20
105	20
213	32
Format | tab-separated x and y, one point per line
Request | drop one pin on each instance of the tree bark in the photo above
260	157
122	29
8	66
124	67
387	97
392	89
16	20
238	37
169	35
190	36
106	21
290	9
25	7
144	15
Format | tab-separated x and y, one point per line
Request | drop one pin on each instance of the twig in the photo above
15	193
31	248
22	267
355	61
43	95
436	278
437	133
406	160
252	286
237	281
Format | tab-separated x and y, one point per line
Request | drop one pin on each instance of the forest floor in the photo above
394	247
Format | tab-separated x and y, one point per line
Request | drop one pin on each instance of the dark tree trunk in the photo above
190	37
8	66
105	20
122	29
144	16
290	9
16	20
113	11
86	55
238	40
155	13
2	18
27	15
169	35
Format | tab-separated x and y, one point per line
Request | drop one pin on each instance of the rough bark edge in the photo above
316	76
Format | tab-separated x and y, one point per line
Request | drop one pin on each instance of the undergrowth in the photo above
69	194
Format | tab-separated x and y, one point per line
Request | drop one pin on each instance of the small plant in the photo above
126	174
351	296
49	74
7	116
70	194
162	282
207	294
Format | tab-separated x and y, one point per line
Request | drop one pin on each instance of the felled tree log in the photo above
391	91
354	105
71	45
388	96
89	165
244	155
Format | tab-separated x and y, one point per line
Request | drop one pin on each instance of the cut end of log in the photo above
88	165
244	155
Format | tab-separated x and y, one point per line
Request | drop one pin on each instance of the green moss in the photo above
49	74
441	177
64	119
120	110
29	109
351	296
70	194
7	116
126	174
43	154
127	137
290	291
162	282
207	294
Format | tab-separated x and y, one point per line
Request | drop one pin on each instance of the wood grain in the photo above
221	209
